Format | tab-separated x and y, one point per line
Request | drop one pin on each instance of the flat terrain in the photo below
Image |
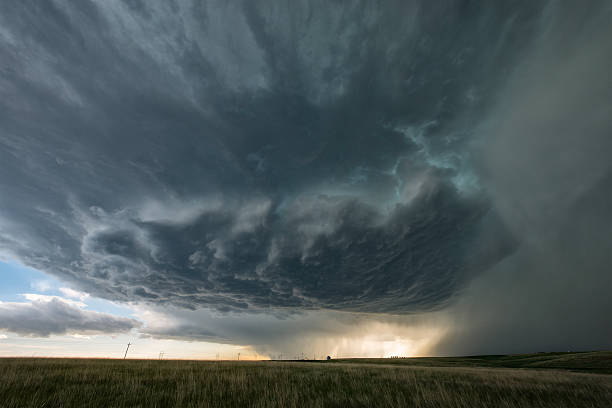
539	380
593	362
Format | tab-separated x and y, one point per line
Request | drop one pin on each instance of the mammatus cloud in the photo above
276	158
43	316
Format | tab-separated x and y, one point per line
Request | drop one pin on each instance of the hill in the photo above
593	361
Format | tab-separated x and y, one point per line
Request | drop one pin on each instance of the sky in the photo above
304	178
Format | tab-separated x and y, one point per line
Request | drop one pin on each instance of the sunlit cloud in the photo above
74	294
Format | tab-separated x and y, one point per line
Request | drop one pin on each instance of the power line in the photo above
126	350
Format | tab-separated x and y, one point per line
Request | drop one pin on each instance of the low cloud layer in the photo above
43	316
277	159
319	333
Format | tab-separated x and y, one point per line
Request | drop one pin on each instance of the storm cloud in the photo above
248	155
547	167
288	156
43	316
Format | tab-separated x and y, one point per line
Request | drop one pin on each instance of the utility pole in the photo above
238	356
126	350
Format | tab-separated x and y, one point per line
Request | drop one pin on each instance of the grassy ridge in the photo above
142	383
594	362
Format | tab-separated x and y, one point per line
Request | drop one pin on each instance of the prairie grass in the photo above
151	383
591	361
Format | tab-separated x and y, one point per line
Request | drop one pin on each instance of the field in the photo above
537	380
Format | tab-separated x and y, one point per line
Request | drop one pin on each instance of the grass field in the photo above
593	362
539	380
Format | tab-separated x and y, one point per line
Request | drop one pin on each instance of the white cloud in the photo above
35	297
74	294
42	285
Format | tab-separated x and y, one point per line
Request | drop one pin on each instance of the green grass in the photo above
594	362
357	383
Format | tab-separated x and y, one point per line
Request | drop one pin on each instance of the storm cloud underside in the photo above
277	157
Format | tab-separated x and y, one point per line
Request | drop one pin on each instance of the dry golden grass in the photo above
141	383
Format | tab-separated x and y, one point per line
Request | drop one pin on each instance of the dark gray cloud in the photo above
251	155
43	316
300	155
547	166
